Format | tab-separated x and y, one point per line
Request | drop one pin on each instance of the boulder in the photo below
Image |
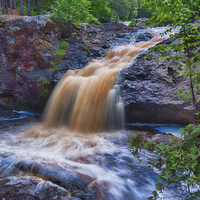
149	92
27	44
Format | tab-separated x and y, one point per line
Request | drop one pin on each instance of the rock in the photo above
30	42
27	44
149	92
142	37
31	188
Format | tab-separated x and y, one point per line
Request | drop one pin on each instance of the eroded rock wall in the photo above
27	44
149	92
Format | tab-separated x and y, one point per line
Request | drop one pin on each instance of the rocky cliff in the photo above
149	91
27	45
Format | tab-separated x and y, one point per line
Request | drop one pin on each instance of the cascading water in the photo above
88	100
57	154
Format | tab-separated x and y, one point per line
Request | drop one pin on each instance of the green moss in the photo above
44	87
87	46
64	45
59	52
53	67
2	22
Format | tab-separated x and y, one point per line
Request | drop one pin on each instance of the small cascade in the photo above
57	160
114	110
89	100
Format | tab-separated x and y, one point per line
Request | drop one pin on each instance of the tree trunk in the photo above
38	6
6	5
1	6
32	4
14	4
21	7
29	8
191	74
11	7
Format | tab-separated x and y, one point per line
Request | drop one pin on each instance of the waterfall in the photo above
88	100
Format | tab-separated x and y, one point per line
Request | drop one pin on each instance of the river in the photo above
80	149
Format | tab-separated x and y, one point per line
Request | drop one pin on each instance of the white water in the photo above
100	160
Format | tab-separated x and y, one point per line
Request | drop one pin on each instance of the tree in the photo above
179	161
29	8
142	12
6	6
21	7
73	11
14	4
168	12
125	9
11	7
38	6
121	8
133	9
100	10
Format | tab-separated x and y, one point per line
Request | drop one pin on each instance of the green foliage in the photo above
64	45
125	9
142	12
178	162
73	11
25	10
44	87
87	46
59	52
133	23
2	22
53	67
100	10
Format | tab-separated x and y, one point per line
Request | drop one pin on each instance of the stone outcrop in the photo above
149	92
27	44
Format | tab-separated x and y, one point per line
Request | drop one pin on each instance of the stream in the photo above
80	149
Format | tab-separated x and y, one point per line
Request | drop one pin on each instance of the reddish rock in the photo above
27	44
30	42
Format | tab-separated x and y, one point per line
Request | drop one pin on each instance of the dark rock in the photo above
149	92
30	188
143	37
105	46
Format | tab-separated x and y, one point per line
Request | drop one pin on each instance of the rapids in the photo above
78	151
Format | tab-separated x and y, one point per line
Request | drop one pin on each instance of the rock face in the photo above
27	44
149	92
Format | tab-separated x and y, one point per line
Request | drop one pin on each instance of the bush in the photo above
178	162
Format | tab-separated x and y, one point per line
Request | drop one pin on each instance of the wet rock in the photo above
30	42
105	46
143	37
149	92
27	44
31	188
